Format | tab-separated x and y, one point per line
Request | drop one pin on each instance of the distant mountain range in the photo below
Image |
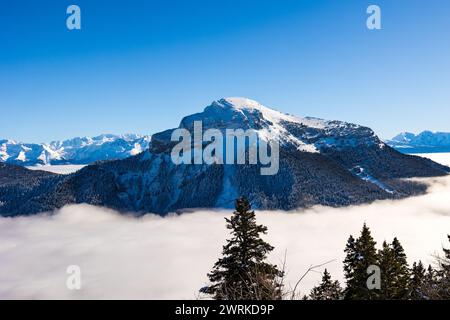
425	142
86	150
321	162
81	150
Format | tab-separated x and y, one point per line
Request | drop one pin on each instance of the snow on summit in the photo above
307	134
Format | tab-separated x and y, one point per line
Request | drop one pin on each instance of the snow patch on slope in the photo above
21	156
276	130
364	175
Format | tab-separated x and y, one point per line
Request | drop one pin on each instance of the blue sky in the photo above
140	66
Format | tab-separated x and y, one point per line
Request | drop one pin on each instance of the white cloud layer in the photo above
168	258
60	169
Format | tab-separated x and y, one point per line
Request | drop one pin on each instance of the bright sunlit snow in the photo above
60	169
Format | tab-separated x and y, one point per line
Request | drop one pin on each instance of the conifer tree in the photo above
386	259
430	276
327	289
360	254
445	261
402	274
394	271
242	272
418	281
442	276
430	288
350	259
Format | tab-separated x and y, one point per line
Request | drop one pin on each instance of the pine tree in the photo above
327	290
417	282
242	272
360	254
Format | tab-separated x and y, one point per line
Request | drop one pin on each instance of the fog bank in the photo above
168	258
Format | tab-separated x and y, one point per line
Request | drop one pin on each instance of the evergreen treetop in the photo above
241	272
327	289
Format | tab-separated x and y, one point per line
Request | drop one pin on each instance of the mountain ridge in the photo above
78	150
321	162
425	142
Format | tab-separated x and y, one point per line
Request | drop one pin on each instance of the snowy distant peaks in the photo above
79	150
404	137
426	141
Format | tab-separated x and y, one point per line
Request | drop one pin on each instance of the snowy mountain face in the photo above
81	150
321	162
303	134
425	142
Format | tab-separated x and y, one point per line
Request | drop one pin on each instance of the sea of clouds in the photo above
168	258
60	169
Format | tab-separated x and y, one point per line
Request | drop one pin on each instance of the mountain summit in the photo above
321	162
304	134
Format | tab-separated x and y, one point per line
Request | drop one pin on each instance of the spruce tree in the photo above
431	274
402	274
242	272
360	254
327	289
394	271
350	264
418	281
430	287
386	260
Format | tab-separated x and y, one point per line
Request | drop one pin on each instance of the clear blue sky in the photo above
140	66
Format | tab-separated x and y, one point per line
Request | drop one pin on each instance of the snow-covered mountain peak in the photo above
304	134
240	102
8	141
331	163
404	137
247	105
